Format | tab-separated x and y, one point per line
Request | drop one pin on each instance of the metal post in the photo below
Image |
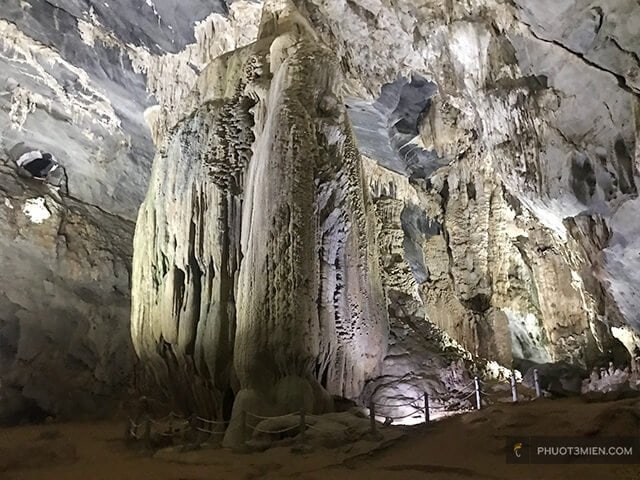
426	407
372	416
536	381
477	384
303	426
514	390
137	423
147	431
243	419
129	431
188	428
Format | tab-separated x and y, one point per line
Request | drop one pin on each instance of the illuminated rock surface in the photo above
494	209
256	271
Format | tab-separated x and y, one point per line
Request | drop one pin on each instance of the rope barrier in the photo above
400	404
274	431
493	394
439	409
503	382
470	394
173	427
213	422
407	416
260	417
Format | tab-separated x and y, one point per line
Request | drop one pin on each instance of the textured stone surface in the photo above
514	236
75	80
255	271
502	148
64	345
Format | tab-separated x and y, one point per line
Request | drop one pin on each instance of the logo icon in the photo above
517	449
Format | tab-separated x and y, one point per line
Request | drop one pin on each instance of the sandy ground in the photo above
469	446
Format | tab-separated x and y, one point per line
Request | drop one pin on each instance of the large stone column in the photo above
255	268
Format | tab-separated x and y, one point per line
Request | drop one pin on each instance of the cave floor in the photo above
469	446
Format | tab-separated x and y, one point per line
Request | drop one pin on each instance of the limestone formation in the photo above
467	169
256	278
64	343
517	199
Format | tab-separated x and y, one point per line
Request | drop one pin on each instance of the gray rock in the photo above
64	306
495	211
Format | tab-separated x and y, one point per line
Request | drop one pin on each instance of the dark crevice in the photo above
195	273
178	291
445	200
622	81
635	56
58	7
624	167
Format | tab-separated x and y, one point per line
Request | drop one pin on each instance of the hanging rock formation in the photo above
73	82
255	271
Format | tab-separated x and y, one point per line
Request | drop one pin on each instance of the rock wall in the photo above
519	165
76	80
256	278
65	349
498	196
499	156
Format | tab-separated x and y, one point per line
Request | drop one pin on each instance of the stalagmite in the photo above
255	269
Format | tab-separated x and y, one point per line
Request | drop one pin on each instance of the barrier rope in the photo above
400	404
493	394
407	416
472	393
260	417
212	422
274	431
177	426
439	409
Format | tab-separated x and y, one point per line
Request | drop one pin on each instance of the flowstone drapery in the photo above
255	271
